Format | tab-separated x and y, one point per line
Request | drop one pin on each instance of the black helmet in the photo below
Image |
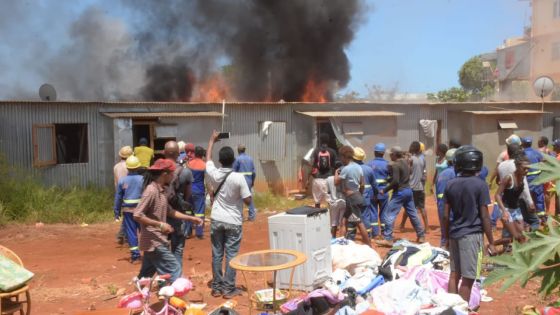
467	158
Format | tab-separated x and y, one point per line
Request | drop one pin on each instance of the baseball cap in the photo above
396	149
513	139
380	147
527	139
449	154
241	147
359	154
163	165
189	147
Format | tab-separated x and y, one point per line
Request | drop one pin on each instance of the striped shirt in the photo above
154	206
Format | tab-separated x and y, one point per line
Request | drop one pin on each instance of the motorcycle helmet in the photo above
467	158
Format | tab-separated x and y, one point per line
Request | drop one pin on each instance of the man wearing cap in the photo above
178	196
127	197
119	170
503	156
144	153
226	229
244	165
402	196
351	181
380	168
370	191
441	182
152	213
537	191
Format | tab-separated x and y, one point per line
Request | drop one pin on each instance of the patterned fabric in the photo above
12	275
154	206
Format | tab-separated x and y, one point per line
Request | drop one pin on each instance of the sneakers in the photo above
232	294
384	243
216	293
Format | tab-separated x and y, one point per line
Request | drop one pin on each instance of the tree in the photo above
540	256
453	94
476	78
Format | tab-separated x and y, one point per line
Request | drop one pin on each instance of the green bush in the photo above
23	199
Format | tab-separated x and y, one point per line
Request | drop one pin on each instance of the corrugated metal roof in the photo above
162	114
350	113
504	112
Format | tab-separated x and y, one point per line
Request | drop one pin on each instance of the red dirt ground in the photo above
79	268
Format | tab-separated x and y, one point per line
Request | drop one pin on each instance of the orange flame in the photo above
212	89
315	91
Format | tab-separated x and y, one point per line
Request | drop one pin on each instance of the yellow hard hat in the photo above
422	147
359	154
132	162
125	152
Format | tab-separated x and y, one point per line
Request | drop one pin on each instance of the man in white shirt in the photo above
230	192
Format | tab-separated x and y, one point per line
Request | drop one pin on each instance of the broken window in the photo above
60	144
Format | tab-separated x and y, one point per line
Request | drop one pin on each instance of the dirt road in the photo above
77	268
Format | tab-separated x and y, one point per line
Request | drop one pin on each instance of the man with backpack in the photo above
178	193
226	229
323	166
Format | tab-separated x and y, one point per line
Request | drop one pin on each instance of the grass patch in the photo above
23	199
269	201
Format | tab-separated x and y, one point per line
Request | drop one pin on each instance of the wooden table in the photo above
269	260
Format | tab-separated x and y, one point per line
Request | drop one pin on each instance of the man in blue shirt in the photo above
127	196
380	168
244	165
537	191
441	182
370	190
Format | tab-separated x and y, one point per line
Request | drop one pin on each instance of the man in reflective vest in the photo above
380	168
245	166
370	190
537	191
127	196
441	182
198	196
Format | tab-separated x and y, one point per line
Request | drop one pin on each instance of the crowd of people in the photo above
367	197
162	203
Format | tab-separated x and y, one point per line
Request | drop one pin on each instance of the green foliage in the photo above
453	94
540	256
24	199
475	78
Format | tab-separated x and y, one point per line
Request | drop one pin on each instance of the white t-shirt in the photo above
507	168
228	204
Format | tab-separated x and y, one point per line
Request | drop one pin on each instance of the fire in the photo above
212	89
315	91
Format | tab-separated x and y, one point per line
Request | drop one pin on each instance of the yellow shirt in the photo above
144	154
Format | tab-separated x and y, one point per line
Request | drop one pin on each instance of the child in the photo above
336	201
467	197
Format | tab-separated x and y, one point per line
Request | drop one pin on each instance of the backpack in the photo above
172	191
324	161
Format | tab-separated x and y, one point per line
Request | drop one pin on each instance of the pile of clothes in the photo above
411	279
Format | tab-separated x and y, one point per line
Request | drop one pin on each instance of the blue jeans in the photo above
199	207
252	211
537	194
530	218
401	198
131	228
225	239
177	240
380	206
162	261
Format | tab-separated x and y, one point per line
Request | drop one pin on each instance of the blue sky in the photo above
421	44
418	44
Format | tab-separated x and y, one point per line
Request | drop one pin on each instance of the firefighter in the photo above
380	168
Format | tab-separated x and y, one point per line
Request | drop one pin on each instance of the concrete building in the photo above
76	143
545	39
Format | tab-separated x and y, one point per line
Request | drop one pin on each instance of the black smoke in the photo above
274	46
166	82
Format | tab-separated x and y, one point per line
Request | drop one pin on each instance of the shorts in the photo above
465	255
355	205
514	214
337	209
419	197
319	189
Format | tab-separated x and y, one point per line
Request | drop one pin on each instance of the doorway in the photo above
325	127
